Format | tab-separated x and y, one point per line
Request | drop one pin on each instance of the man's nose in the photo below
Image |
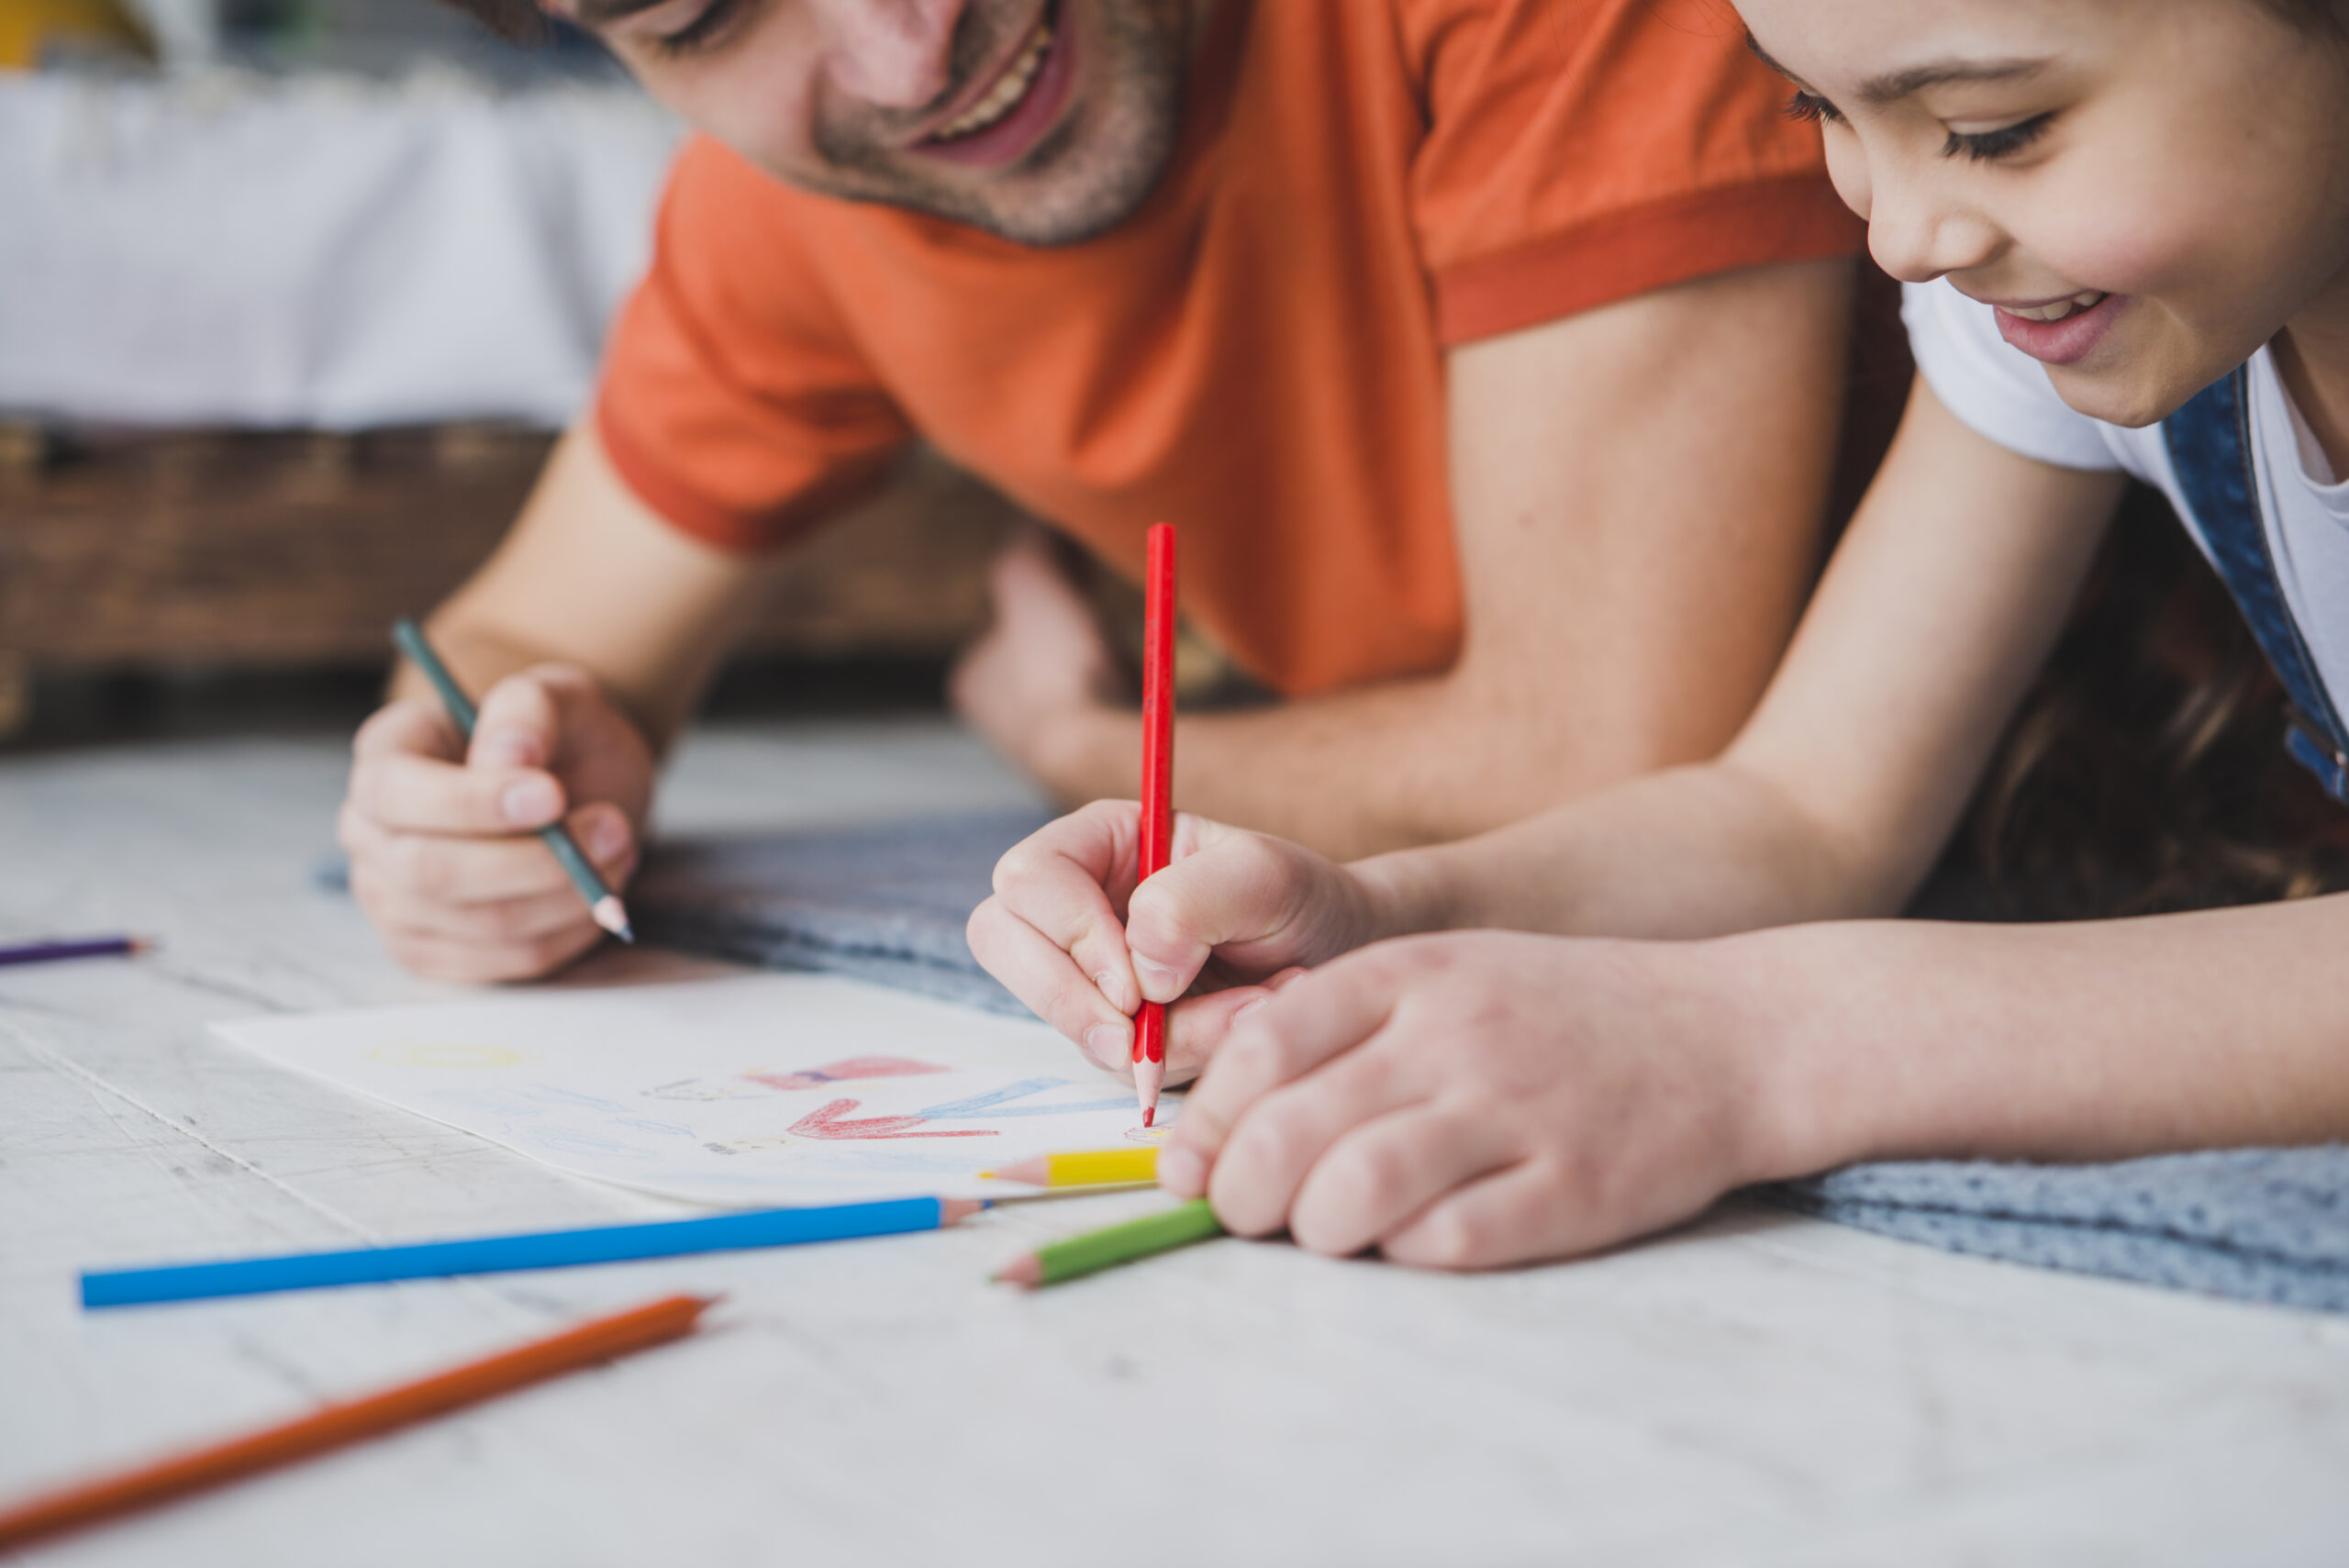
896	54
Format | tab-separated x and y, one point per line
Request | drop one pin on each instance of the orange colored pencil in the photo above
599	1340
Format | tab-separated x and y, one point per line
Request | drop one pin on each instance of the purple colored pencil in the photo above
82	947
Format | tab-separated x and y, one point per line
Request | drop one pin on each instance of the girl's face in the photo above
2148	190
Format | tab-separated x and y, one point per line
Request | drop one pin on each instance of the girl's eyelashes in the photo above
701	31
1982	147
1811	109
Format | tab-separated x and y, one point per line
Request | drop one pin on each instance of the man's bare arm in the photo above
589	575
1639	491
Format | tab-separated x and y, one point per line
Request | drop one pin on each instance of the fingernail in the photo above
529	802
1247	1008
607	838
1181	1172
1157	976
507	748
1112	1045
1113	987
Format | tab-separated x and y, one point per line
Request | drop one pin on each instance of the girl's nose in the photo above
1918	232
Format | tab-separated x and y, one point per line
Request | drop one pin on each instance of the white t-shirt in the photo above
2004	395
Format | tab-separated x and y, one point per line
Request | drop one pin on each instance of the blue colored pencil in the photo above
603	905
81	947
533	1250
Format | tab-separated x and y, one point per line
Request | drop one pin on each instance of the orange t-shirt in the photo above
1256	352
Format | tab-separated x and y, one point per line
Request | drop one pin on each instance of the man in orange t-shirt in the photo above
1486	351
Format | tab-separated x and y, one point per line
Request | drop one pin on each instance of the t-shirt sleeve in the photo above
731	401
1581	151
1996	391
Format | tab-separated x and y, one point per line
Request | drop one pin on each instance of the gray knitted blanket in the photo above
2260	1224
888	903
885	903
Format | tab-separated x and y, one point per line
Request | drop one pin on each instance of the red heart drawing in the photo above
824	1122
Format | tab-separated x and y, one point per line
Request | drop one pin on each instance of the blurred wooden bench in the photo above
245	550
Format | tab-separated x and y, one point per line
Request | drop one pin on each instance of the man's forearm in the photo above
480	653
589	576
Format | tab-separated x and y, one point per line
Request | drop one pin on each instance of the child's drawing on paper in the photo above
774	1089
833	1122
766	1081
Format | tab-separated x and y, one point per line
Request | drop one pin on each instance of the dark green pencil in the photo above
1079	1255
603	904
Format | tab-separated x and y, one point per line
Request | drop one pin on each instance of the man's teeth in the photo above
1008	89
2086	300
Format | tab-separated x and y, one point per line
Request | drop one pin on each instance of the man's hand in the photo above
1232	917
1479	1099
441	838
1040	682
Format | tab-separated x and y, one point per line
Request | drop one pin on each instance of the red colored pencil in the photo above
1157	784
599	1340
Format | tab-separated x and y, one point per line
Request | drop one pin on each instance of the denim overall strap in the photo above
2211	449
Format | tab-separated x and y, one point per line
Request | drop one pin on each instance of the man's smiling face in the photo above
1043	121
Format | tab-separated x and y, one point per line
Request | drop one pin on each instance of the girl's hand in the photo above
1477	1098
1231	918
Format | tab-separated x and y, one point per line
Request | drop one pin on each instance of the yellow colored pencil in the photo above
1083	1168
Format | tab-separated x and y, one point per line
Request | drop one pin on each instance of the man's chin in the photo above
1050	200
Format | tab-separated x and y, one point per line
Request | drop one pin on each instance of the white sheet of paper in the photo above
771	1090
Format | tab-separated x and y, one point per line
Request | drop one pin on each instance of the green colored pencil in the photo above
1081	1255
603	904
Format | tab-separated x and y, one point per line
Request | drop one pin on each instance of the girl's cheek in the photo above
2149	243
1847	167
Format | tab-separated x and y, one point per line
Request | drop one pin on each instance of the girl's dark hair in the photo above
2147	770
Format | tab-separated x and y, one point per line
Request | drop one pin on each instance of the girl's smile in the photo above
2060	331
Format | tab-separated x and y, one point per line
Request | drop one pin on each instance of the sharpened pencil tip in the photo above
1027	1273
612	915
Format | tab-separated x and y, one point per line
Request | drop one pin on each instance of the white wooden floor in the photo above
1761	1389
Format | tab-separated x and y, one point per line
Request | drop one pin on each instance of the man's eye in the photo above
699	33
1984	145
1812	109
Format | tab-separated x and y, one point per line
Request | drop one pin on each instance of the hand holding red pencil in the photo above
1073	934
1090	928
